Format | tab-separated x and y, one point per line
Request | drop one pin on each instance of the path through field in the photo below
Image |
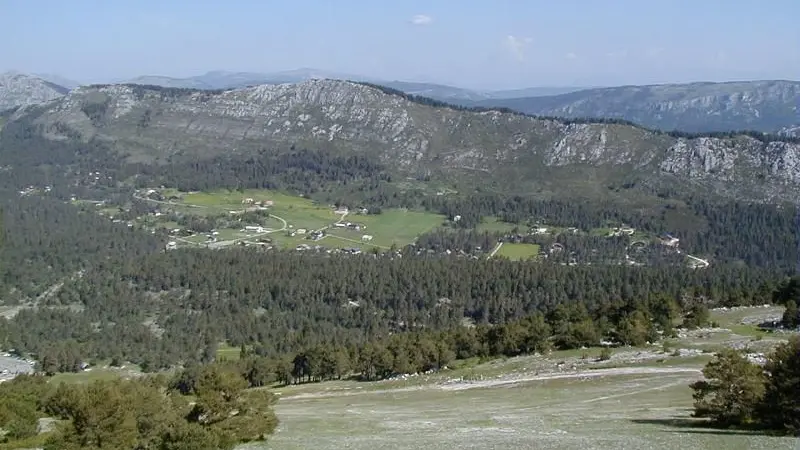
634	407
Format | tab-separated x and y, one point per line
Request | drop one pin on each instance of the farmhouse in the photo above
669	240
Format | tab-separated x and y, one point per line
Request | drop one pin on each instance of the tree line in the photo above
565	327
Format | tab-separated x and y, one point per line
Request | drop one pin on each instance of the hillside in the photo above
17	89
417	139
696	107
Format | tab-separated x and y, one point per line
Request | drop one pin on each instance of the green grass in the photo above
37	441
393	227
493	224
612	411
517	252
228	353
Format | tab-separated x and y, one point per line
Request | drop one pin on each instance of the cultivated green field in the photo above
517	252
393	227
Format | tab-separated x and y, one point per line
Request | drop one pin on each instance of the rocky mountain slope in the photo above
417	138
790	131
17	89
764	106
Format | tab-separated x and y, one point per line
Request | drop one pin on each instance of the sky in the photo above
479	44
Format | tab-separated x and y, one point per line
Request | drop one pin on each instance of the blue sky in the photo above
473	43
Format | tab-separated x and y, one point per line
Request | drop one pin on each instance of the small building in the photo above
248	201
301	231
172	245
366	238
669	240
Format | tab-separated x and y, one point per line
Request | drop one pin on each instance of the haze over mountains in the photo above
232	80
417	139
765	106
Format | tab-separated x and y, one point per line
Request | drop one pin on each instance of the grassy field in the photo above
517	252
494	225
393	227
615	411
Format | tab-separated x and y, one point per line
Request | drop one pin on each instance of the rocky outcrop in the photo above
410	135
18	89
765	106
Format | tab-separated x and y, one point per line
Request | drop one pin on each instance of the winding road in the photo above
284	224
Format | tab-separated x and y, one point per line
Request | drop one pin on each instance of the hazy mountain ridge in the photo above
764	106
160	124
229	80
18	89
221	79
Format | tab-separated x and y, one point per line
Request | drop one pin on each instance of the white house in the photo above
366	238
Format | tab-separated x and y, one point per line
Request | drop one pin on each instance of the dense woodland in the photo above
112	294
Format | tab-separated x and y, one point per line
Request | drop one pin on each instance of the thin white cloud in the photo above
517	46
421	19
571	55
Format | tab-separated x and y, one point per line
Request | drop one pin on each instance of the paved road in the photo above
496	248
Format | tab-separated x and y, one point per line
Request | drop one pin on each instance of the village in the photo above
268	220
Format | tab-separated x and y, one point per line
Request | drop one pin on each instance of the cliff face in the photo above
764	106
18	90
156	125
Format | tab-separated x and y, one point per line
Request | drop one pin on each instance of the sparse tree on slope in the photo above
781	406
732	390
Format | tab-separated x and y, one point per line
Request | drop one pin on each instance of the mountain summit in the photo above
18	89
418	139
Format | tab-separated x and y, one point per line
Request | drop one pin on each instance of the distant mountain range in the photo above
765	106
415	139
234	80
